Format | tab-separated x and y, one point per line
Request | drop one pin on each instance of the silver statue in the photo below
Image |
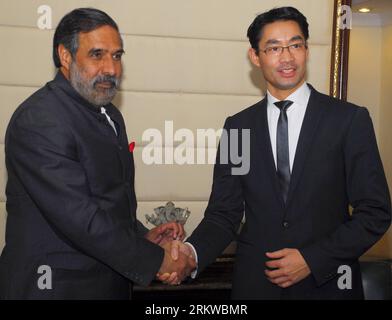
168	213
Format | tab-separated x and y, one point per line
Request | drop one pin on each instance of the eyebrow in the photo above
119	51
95	50
274	41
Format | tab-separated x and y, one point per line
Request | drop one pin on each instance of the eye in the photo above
297	45
96	54
117	56
274	49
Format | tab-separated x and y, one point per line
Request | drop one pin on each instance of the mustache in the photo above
112	80
287	66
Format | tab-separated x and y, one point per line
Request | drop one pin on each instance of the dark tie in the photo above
282	148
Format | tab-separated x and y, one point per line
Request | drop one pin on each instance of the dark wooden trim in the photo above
339	55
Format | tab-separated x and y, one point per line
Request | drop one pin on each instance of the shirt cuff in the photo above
194	273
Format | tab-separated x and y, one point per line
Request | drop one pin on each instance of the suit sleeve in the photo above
141	229
369	197
224	212
43	153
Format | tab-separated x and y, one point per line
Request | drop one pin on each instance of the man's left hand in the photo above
166	233
289	267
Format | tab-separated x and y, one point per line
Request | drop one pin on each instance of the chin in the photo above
284	85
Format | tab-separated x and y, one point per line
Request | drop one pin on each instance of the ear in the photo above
65	57
254	58
307	52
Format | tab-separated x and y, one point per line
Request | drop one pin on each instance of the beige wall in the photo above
385	128
364	74
185	61
370	83
386	101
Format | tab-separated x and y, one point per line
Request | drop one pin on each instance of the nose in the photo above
286	55
109	66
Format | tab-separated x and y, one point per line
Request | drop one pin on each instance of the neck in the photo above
282	94
65	72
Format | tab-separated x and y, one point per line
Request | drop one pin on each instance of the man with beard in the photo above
72	231
311	157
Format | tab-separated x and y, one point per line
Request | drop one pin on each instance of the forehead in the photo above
281	31
105	37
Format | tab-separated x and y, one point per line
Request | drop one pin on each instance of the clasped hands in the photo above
286	268
179	260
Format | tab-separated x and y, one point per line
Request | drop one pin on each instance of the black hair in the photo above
255	30
74	22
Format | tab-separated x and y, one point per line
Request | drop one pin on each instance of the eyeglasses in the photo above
292	48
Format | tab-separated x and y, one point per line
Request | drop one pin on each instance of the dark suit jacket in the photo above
337	164
71	202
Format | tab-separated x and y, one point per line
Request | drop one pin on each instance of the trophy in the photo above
168	213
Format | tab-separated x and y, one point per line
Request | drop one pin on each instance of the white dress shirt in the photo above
295	117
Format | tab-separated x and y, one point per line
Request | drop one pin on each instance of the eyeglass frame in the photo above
304	43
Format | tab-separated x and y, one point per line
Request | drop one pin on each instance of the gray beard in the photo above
88	90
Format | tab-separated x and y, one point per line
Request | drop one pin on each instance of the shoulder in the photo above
41	109
245	117
335	105
337	110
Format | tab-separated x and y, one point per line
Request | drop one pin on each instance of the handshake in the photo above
179	260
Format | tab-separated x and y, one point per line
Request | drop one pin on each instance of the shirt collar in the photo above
299	96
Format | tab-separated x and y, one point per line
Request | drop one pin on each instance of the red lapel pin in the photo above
131	146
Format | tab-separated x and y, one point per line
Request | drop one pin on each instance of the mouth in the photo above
105	85
287	72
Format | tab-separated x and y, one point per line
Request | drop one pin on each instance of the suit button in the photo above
285	224
120	147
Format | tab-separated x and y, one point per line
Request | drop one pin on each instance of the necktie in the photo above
103	111
282	148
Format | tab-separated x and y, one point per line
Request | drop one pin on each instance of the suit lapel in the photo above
264	141
311	120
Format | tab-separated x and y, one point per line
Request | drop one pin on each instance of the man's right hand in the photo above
178	246
178	263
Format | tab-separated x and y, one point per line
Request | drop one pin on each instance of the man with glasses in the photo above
311	157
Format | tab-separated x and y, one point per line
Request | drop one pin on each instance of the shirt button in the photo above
285	224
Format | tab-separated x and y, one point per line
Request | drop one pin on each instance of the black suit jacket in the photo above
71	202
337	164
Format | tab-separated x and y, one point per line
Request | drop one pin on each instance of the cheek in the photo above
271	68
89	70
118	69
302	60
